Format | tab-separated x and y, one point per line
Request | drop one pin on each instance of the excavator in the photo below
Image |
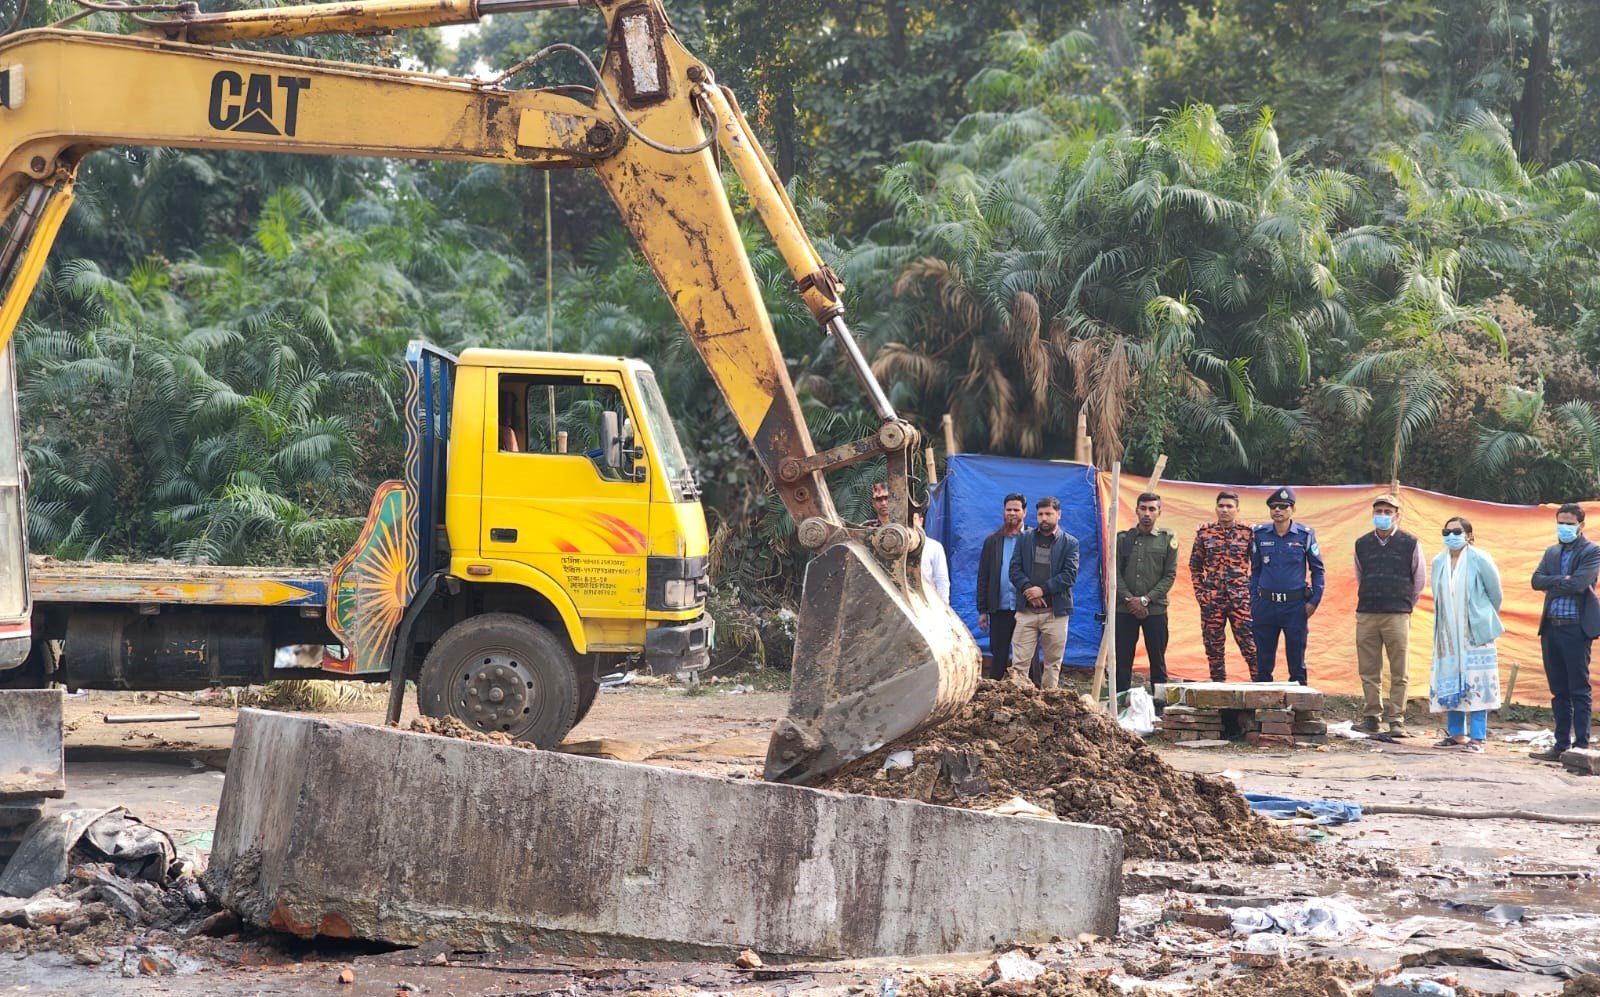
875	657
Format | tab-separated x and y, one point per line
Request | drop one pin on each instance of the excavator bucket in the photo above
872	663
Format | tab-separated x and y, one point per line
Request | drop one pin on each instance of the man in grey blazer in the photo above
1568	627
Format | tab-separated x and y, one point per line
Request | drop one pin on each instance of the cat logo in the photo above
248	104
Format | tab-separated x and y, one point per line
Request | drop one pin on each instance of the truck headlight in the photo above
680	593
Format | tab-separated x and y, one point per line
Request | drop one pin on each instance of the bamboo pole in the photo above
1081	448
1105	661
949	425
1155	476
933	469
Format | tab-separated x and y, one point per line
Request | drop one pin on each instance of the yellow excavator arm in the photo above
875	658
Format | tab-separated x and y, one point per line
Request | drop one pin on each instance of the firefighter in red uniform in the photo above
1219	567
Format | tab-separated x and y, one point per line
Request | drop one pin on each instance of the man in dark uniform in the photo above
1282	553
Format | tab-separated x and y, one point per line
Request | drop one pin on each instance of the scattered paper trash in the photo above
1018	807
1013	967
1318	917
1140	716
898	760
1532	738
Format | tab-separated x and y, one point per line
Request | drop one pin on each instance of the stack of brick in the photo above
1263	713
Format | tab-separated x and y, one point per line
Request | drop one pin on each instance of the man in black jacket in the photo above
1567	628
997	597
1044	570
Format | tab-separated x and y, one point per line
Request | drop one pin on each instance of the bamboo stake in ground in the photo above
949	435
1105	664
933	469
1155	476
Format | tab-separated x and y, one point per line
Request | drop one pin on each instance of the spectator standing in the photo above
1044	571
1390	576
935	566
1465	681
1219	569
997	597
1567	628
1282	555
1147	565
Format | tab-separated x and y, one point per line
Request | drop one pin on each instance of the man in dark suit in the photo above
997	597
1567	628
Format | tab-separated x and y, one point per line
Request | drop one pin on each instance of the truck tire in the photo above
502	672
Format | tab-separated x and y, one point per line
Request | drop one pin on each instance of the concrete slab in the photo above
31	761
349	830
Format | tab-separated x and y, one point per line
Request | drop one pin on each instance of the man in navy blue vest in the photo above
1390	576
1282	554
1567	628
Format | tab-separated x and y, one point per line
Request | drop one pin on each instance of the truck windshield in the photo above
673	463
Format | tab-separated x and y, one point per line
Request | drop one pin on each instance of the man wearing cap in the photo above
1219	569
1282	554
1390	577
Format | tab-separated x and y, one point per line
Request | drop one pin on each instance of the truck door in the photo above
563	489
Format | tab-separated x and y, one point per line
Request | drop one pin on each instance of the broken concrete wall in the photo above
343	829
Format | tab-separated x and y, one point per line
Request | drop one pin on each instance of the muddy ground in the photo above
1426	885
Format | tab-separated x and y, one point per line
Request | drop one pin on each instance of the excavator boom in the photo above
876	655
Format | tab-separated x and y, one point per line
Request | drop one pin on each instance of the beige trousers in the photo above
1377	634
1037	628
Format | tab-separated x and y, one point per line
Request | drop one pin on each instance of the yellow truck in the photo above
492	594
546	525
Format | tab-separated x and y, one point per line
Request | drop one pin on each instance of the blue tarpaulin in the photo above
1287	807
966	508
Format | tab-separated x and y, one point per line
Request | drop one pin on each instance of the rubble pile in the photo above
452	727
1054	751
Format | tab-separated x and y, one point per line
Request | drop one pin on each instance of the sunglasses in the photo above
1454	531
1279	505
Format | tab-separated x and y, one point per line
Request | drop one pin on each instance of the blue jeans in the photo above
1455	723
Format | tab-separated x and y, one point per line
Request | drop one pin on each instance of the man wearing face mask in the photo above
1390	576
1567	628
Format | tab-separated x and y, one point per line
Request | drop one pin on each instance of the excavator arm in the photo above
875	657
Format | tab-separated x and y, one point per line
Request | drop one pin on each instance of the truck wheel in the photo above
501	672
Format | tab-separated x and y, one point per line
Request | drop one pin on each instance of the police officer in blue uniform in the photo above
1282	553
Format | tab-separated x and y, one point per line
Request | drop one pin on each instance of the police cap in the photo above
1283	496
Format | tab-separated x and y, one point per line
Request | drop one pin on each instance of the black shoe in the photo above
1548	755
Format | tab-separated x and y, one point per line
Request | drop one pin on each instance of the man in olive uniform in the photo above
1282	554
1147	565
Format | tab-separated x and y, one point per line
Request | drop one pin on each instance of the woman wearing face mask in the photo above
1465	683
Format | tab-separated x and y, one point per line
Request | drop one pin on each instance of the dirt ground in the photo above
1427	885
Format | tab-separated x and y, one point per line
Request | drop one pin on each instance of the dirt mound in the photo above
451	727
1057	753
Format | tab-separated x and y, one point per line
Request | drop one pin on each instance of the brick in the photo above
1214	698
1263	699
1303	699
1210	920
1277	728
1585	761
1275	716
1262	740
1310	727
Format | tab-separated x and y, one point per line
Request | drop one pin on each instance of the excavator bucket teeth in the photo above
872	663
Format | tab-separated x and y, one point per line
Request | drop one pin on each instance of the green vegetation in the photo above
1318	242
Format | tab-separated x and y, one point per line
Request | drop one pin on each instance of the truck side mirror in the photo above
611	439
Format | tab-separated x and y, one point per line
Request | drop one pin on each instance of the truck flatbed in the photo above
166	583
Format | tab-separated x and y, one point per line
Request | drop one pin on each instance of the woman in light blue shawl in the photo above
1465	683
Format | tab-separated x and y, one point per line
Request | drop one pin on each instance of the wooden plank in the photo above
176	584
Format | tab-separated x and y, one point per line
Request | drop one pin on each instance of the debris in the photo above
1346	729
347	976
1013	967
1318	811
152	718
453	727
54	843
1583	761
1053	751
897	760
1532	738
1018	807
1140	716
748	959
1318	917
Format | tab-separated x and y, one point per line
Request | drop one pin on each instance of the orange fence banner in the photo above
1515	536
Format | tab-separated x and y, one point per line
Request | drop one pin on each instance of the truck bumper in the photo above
680	648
